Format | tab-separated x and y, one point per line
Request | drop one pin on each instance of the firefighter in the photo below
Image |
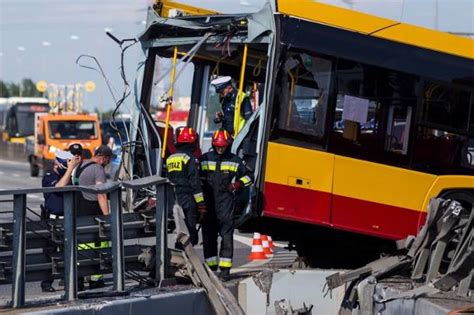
183	171
228	96
223	173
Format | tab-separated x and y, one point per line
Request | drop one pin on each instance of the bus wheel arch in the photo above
464	196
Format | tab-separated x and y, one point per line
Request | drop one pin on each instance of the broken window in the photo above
304	94
181	91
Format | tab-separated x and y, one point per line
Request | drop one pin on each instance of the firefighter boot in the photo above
224	274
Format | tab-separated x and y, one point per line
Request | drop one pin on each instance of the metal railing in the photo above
114	189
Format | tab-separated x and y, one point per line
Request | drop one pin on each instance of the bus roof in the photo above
378	27
354	21
19	100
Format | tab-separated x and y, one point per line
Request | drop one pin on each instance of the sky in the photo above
41	39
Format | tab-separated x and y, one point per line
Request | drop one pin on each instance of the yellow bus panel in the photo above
380	27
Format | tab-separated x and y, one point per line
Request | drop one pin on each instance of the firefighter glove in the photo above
202	209
234	186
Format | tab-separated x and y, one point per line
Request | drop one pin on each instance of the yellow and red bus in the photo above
359	120
17	117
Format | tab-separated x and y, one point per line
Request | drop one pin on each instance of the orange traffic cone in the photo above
270	242
266	247
257	249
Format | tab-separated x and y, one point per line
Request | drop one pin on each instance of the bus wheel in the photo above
34	169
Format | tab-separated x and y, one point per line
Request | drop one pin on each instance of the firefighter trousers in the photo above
190	219
219	222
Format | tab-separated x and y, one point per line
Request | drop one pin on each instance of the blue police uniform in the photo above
54	205
53	201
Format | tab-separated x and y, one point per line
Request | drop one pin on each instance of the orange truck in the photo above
57	132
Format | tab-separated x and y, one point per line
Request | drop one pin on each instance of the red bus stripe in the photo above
350	214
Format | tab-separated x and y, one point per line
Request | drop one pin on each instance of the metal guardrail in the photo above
114	189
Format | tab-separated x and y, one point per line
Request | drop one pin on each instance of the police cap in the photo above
221	83
62	157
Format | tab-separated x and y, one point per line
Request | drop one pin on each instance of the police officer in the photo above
228	95
183	171
223	173
58	176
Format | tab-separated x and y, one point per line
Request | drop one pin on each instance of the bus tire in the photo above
34	169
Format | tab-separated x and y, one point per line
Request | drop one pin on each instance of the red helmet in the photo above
220	138
186	135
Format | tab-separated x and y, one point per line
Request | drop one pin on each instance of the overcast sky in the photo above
41	39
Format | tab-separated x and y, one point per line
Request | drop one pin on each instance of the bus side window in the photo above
12	125
443	141
398	129
303	95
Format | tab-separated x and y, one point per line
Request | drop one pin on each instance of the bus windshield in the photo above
26	123
72	129
22	118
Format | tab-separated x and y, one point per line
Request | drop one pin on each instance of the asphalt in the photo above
16	175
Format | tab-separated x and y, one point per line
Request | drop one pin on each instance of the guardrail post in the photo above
161	217
117	239
70	247
19	246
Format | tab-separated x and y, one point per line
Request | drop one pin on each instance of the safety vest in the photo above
240	122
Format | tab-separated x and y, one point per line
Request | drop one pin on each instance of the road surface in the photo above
17	175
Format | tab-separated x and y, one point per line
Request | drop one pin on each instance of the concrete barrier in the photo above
13	151
192	301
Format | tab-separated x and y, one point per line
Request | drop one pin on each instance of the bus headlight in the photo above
53	149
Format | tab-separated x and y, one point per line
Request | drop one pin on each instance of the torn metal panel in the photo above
248	28
429	258
220	297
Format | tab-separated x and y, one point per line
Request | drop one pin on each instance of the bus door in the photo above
298	171
209	47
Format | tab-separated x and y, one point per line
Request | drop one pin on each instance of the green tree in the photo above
4	91
29	88
14	89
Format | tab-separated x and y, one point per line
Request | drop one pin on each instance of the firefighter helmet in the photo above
186	135
220	138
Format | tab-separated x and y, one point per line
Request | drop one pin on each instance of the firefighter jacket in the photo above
221	173
228	108
183	172
218	172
